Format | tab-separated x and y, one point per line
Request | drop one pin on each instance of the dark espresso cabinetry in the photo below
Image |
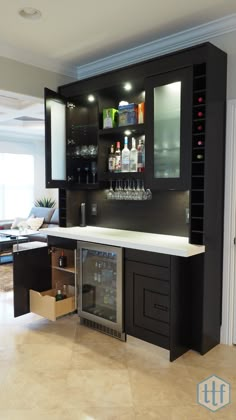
38	275
184	134
157	300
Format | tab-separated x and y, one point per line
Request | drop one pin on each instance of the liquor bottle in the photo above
62	260
133	157
117	157
141	156
125	155
64	292
59	295
112	159
95	274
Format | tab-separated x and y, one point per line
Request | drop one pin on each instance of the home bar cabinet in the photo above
184	134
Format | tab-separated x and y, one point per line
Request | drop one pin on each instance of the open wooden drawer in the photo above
45	304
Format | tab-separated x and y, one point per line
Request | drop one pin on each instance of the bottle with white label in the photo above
112	159
125	155
141	156
133	157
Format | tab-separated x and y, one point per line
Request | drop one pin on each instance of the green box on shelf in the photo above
110	117
128	114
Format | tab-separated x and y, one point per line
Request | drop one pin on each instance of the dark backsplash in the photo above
164	214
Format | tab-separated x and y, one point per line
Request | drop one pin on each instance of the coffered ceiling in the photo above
20	116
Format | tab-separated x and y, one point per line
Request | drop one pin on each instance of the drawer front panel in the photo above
154	258
156	306
151	309
62	242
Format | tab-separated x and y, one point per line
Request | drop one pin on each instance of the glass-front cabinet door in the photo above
169	127
71	141
101	285
55	139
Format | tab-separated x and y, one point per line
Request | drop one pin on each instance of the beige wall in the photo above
28	80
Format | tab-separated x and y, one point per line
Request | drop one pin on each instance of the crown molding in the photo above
159	47
137	54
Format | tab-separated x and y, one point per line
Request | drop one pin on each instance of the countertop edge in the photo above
186	250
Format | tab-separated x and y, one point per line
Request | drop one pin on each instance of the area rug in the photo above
6	277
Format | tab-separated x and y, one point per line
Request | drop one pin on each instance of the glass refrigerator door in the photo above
101	284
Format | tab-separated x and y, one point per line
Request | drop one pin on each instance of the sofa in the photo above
50	219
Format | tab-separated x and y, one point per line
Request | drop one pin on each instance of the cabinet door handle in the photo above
161	307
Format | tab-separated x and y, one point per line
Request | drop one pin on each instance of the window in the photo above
16	185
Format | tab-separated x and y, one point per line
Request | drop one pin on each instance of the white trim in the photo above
229	289
158	47
161	46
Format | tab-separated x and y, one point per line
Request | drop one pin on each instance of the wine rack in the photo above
62	207
198	155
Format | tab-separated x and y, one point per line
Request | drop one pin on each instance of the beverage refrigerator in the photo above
100	278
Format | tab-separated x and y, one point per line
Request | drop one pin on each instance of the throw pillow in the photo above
17	221
34	223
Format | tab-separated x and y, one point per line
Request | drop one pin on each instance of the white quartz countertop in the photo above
165	244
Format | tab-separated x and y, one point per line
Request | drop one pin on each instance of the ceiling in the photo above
21	115
73	33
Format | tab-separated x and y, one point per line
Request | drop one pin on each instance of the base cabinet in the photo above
37	278
157	300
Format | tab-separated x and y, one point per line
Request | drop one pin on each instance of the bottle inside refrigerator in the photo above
101	288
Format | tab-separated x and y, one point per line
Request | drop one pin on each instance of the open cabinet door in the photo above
31	270
55	139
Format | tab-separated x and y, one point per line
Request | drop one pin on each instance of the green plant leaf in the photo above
45	202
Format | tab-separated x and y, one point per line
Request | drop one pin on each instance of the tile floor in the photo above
65	371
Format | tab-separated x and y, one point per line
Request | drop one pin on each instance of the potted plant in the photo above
45	202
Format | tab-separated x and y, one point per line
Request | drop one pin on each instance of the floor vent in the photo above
103	329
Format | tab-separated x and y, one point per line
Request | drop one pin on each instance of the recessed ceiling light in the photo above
30	13
127	86
91	98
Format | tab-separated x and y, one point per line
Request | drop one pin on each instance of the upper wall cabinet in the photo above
168	130
71	142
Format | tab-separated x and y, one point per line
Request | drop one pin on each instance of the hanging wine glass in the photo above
78	170
110	193
94	170
87	174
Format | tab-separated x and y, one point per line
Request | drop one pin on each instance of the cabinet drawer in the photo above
45	304
154	258
62	243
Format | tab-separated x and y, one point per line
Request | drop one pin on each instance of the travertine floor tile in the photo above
90	413
64	371
99	356
105	388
